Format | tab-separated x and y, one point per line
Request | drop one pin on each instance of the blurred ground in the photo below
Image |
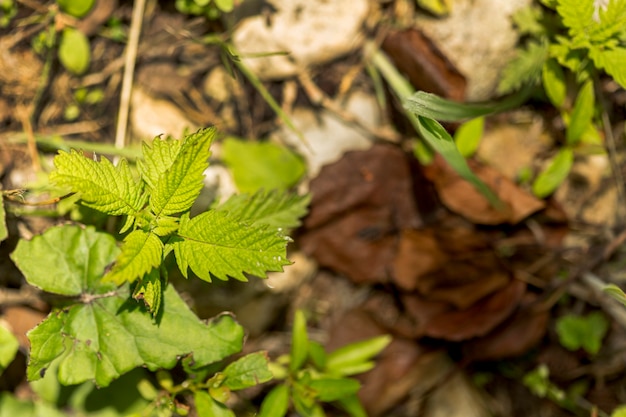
470	294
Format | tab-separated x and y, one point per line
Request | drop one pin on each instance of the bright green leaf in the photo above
554	82
436	7
179	186
467	137
619	411
613	61
215	244
299	342
274	209
555	173
276	402
102	186
582	332
74	51
577	16
67	260
582	114
141	252
225	6
333	389
158	157
76	8
341	360
257	165
8	346
208	407
247	371
612	22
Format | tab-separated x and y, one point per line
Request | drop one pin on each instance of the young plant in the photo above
97	330
311	376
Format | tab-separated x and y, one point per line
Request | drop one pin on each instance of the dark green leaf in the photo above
333	389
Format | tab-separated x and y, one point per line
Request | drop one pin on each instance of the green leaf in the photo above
346	358
528	21
352	405
317	355
333	389
215	244
158	157
272	208
582	114
8	346
74	51
442	142
247	371
612	22
616	292
257	165
555	173
276	402
613	61
165	225
208	407
467	137
582	332
13	407
76	8
434	107
577	16
150	290
525	68
554	82
179	186
102	335
619	411
67	260
299	342
141	252
102	186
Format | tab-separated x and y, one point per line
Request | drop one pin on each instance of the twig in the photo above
129	69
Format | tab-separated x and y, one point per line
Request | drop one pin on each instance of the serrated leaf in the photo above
577	16
247	371
74	51
467	137
333	389
150	290
216	244
67	260
165	225
582	332
107	337
272	208
299	342
141	252
101	335
343	360
528	21
554	174
8	346
158	157
554	84
102	186
179	186
612	24
276	402
257	165
613	61
582	114
525	68
208	407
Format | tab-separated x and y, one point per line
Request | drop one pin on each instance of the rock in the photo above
328	138
478	38
151	117
312	32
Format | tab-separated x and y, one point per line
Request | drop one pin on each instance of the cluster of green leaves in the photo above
311	376
211	9
564	53
8	10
